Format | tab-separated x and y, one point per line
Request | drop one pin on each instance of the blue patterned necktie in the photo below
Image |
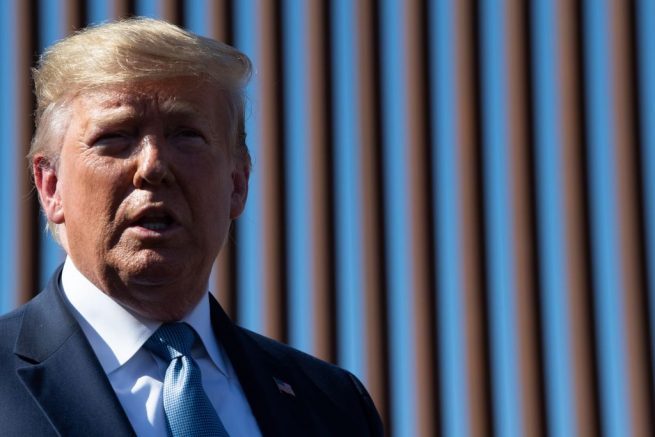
188	410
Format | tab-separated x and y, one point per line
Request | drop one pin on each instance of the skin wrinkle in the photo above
169	104
104	180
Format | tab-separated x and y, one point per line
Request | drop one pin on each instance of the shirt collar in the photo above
116	333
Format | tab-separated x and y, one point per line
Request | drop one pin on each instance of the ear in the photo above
47	183
240	176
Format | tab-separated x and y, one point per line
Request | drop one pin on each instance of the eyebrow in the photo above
113	115
179	108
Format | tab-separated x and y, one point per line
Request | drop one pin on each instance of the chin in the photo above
164	281
153	268
156	275
163	292
161	307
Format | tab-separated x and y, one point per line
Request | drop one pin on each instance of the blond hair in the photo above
127	52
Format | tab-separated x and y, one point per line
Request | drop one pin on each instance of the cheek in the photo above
211	204
92	192
209	180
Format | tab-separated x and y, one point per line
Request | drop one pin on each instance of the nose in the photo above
152	166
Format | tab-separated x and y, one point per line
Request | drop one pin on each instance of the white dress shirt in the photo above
117	335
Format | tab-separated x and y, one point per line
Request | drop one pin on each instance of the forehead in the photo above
170	98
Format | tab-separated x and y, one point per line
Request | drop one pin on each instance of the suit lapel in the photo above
262	378
62	373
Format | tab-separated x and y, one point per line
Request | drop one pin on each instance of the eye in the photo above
187	133
187	137
113	140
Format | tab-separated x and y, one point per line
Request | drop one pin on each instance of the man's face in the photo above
145	191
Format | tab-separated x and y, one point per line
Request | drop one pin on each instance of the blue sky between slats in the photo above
400	283
8	158
606	262
451	322
505	368
348	188
551	232
250	262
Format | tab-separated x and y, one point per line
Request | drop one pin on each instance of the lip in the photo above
146	234
153	211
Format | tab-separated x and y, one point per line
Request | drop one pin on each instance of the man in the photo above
140	163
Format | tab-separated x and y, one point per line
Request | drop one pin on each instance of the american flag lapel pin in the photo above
284	387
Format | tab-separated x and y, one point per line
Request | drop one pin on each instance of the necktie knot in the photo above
188	411
171	340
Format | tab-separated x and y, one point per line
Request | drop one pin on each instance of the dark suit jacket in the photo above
52	383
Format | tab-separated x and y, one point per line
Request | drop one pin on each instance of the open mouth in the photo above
155	222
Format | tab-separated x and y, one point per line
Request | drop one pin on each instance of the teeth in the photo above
154	226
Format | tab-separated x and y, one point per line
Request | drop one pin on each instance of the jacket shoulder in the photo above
286	353
10	323
339	385
19	414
